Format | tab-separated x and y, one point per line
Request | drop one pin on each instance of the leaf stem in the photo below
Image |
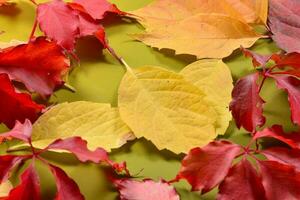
33	29
120	59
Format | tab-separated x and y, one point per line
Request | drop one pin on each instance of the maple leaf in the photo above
219	26
145	190
284	24
217	155
29	188
242	182
15	106
280	181
292	86
246	106
39	65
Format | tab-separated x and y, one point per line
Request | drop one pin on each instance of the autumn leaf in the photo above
204	168
215	27
4	189
145	190
98	123
15	106
163	107
283	20
26	63
214	78
8	162
247	105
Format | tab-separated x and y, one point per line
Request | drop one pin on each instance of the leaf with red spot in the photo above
284	156
20	132
276	131
292	86
78	147
145	190
246	105
206	167
280	181
66	187
15	106
98	8
242	182
29	188
39	65
284	17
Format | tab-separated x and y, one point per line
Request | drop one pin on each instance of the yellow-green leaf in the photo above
214	78
98	123
163	107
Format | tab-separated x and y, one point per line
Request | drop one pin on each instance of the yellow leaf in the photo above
214	78
203	35
5	189
98	123
163	107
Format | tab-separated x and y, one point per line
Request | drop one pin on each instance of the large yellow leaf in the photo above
203	35
98	123
170	11
214	78
163	107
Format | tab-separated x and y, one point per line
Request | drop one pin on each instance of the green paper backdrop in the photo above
97	79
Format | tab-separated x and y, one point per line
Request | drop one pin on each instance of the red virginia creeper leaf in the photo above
284	156
280	181
204	168
29	188
257	59
290	61
59	22
40	65
20	132
7	163
246	105
284	23
78	147
242	182
66	187
15	106
276	131
98	8
292	86
145	190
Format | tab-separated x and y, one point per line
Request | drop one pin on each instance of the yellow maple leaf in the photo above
214	78
163	107
98	123
206	29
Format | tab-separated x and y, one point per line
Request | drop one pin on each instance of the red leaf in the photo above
7	163
146	190
292	86
204	168
284	18
284	156
280	181
15	106
276	131
257	59
58	22
98	8
78	147
20	132
291	59
242	182
40	65
247	105
67	189
29	188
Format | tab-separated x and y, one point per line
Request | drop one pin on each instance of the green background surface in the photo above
97	79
